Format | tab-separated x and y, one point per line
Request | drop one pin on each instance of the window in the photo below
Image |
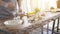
29	5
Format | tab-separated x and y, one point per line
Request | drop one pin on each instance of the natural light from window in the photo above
29	5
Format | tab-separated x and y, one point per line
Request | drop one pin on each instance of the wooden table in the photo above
25	29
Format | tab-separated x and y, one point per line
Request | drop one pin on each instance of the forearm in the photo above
19	3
